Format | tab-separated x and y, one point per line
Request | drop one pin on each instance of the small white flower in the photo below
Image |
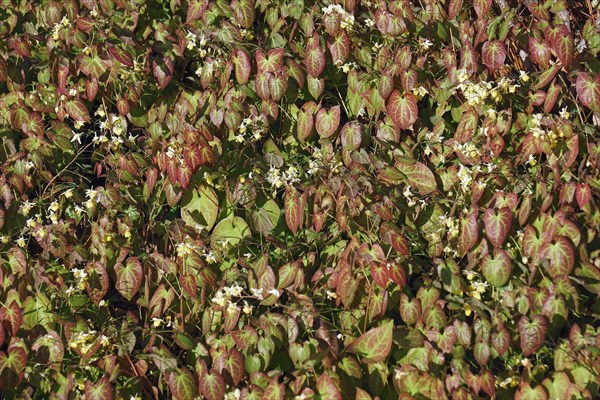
256	292
274	292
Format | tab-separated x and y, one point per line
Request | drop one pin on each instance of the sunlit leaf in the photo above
375	344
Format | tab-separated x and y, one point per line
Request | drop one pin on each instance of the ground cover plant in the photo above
299	199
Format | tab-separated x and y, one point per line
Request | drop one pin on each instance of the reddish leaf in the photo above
93	66
351	136
583	194
419	176
375	344
243	13
274	390
392	235
294	204
532	334
77	110
482	7
162	69
402	109
410	310
314	58
100	390
467	126
273	62
234	365
481	351
182	385
212	386
122	56
497	269
327	121
403	57
304	124
493	53
189	285
362	395
97	283
13	314
526	392
339	47
129	277
277	86
195	10
409	79
242	67
63	73
588	91
561	255
379	273
497	225
488	383
563	46
501	340
546	77
385	86
327	388
468	234
262	86
454	7
540	52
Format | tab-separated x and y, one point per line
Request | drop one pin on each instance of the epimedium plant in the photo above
299	199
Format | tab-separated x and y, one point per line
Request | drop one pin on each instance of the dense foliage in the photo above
299	199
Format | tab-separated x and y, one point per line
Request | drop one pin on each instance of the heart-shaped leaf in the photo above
402	109
561	256
339	47
212	386
468	233
418	175
497	225
129	277
482	7
100	390
243	12
351	136
588	90
497	269
242	66
526	392
532	333
183	385
563	46
327	388
540	52
375	344
467	126
314	58
493	53
294	205
327	121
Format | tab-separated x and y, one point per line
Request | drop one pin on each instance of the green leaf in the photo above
375	344
200	206
229	232
497	269
526	392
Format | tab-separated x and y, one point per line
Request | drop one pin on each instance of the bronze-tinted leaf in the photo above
497	269
183	385
588	90
375	344
315	57
327	121
532	333
129	277
539	51
497	225
493	53
99	390
402	109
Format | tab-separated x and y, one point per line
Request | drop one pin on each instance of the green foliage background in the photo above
299	199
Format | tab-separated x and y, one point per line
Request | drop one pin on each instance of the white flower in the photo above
256	292
219	299
21	242
247	309
157	322
425	43
232	307
26	207
274	292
